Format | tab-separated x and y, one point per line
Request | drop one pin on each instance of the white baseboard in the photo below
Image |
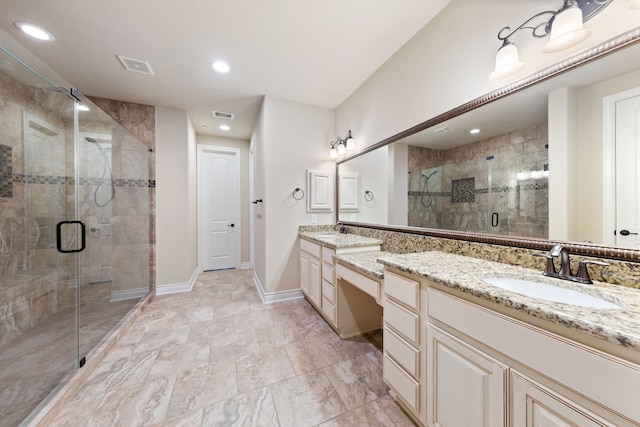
268	298
128	294
178	287
245	265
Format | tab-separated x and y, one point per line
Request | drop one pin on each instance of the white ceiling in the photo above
309	51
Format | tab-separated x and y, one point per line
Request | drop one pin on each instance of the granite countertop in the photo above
466	274
336	240
364	262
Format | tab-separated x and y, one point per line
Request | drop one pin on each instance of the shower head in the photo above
91	140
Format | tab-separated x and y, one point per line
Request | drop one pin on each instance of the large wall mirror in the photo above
540	167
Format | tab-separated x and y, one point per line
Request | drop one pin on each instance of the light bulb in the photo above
567	30
507	62
351	144
341	148
333	153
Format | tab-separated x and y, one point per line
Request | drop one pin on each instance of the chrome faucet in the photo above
582	275
342	227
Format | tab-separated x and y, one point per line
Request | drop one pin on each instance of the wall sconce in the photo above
564	28
340	146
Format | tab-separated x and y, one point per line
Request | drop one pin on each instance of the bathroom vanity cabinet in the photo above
404	348
318	279
460	353
483	365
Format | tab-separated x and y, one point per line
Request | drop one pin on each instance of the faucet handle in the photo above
550	268
583	273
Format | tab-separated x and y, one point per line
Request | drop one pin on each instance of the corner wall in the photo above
289	139
176	246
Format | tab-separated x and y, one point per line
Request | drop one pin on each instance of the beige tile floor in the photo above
217	356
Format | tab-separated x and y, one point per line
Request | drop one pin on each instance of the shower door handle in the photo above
59	237
494	219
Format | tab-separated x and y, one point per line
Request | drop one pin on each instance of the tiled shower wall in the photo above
139	120
458	196
34	281
36	191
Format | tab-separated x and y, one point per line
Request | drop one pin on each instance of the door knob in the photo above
626	233
232	225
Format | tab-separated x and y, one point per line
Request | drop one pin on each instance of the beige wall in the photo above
290	138
243	146
448	63
589	159
176	258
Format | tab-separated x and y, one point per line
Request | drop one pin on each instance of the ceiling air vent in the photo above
135	65
443	129
222	115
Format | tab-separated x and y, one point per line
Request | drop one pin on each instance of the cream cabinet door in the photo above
304	273
465	387
315	281
534	405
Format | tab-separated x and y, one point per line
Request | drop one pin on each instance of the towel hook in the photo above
298	194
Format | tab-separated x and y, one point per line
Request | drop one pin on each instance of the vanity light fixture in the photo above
564	28
340	146
33	31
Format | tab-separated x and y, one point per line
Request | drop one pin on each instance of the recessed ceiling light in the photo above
204	126
474	131
224	127
221	66
33	31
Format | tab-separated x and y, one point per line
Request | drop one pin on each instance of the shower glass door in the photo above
38	287
113	203
63	168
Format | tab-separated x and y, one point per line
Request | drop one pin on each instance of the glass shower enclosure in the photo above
74	233
498	185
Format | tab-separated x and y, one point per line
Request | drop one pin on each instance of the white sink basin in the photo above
551	293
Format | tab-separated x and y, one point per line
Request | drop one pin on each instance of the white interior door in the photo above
627	173
219	176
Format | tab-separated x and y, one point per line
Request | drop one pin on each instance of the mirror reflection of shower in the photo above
106	167
427	198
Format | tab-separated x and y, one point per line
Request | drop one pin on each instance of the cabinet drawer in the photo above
329	291
406	387
312	248
328	273
329	310
406	323
402	352
327	255
402	289
360	281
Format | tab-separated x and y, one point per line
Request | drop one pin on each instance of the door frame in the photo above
200	184
609	161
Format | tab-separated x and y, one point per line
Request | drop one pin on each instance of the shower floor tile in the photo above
34	364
